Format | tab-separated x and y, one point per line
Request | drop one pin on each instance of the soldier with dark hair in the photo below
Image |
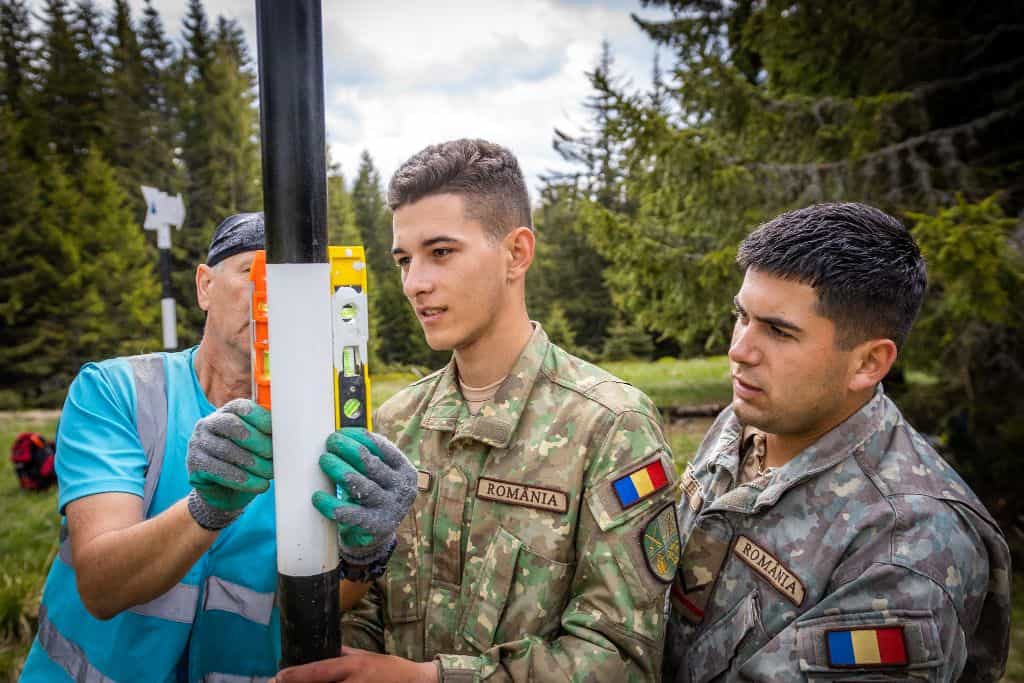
823	538
543	539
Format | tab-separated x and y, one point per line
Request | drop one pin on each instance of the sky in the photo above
401	75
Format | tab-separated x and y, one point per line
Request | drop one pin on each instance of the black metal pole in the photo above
290	44
166	292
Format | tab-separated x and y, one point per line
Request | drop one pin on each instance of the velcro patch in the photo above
700	564
514	493
691	490
640	483
866	647
424	480
770	569
660	540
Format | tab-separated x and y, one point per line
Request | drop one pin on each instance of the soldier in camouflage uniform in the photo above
543	539
823	538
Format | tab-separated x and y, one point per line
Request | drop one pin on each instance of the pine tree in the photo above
47	293
117	265
60	90
15	52
626	341
341	216
220	149
569	270
125	145
558	329
25	274
234	166
163	86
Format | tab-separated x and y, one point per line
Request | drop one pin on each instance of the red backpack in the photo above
32	455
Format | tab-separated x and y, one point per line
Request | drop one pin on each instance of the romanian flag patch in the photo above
854	648
640	483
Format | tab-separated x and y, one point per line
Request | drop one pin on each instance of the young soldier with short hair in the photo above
823	538
543	538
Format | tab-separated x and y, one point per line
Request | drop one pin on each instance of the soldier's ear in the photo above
871	362
519	248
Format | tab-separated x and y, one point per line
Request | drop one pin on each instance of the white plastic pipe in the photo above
170	323
302	395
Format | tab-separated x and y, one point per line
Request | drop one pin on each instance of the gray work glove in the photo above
229	462
376	487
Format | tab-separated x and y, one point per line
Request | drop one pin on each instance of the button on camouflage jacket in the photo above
864	558
524	557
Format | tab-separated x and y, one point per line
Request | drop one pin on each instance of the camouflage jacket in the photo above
519	560
864	558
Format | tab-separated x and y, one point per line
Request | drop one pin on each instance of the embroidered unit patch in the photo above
881	646
641	483
660	540
770	569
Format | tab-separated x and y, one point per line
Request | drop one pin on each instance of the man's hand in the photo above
360	666
229	462
376	488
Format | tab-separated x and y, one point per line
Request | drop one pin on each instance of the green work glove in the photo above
376	487
229	462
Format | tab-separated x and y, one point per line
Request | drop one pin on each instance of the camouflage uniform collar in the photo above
725	458
497	420
842	442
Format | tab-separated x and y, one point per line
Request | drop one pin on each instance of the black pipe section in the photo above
291	70
290	44
165	274
305	639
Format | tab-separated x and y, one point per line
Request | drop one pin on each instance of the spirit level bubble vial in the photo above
351	327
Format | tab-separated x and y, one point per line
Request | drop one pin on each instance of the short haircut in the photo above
485	174
863	263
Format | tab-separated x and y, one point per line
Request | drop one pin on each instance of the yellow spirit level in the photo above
350	327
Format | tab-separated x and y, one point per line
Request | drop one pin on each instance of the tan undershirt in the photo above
754	454
476	397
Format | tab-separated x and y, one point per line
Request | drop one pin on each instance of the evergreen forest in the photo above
755	107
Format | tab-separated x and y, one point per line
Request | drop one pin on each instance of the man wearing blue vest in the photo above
167	567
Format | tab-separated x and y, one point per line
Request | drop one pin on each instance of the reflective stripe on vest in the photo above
150	423
150	418
233	678
238	599
68	655
179	603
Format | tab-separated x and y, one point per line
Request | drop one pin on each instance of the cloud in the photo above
400	75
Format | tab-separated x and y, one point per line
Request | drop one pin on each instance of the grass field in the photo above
28	535
28	542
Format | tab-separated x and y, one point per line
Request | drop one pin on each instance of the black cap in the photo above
238	233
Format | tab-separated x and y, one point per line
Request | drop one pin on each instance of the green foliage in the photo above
567	271
974	272
626	341
15	41
91	106
776	105
558	329
969	336
219	121
913	107
341	216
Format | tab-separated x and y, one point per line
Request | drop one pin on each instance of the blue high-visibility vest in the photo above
220	623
